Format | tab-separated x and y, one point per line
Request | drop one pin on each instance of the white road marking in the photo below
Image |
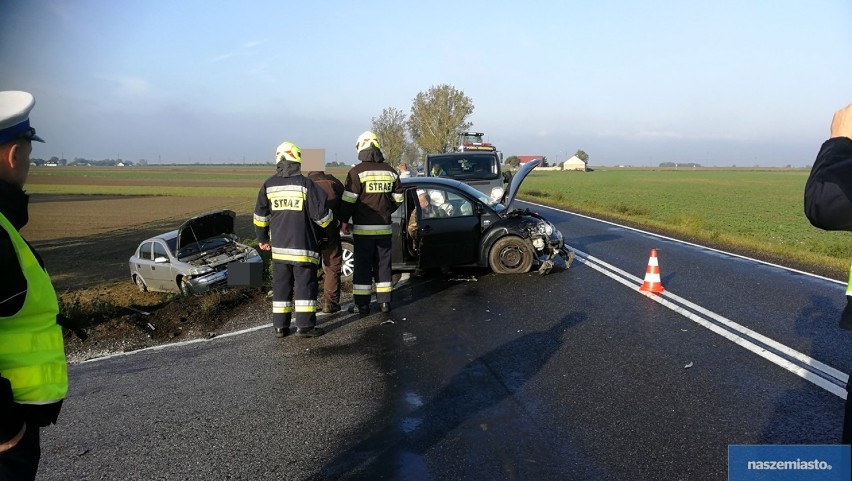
802	365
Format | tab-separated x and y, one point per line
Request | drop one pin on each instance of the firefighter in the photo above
287	205
331	249
373	192
33	371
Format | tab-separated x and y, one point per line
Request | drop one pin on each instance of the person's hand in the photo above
264	246
841	124
345	228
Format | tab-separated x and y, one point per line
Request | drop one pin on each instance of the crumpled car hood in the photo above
205	226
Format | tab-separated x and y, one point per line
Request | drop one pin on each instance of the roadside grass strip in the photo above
403	280
800	364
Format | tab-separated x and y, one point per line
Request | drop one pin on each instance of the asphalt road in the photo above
576	375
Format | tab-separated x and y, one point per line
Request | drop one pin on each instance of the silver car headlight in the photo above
497	193
200	271
545	228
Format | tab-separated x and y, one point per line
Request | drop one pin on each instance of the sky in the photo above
727	82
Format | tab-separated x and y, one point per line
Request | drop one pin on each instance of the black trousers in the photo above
294	289
21	462
372	261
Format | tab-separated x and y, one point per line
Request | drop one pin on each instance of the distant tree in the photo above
412	156
390	128
512	161
63	162
543	162
582	155
437	115
143	162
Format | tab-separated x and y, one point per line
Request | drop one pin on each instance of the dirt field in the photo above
86	242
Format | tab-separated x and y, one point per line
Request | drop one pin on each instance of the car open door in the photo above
451	238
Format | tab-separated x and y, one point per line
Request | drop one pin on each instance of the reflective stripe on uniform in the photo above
376	176
384	286
361	229
285	188
349	197
306	306
397	198
362	289
326	220
282	307
261	220
295	255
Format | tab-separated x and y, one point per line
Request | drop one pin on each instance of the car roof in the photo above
440	182
165	237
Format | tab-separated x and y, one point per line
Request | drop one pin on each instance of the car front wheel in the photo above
510	255
140	283
184	286
347	266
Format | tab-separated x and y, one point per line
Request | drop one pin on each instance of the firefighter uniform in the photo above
288	205
331	249
373	192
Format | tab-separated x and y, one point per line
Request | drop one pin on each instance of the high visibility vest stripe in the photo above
292	258
349	197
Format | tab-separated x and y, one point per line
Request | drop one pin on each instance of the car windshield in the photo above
202	246
466	166
471	192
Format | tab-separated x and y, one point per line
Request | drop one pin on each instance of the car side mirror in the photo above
479	209
161	260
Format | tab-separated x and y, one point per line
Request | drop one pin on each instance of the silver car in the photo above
192	259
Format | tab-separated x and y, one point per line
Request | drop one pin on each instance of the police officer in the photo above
33	372
828	205
331	250
373	192
287	204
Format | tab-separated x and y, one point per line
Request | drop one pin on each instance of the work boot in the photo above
309	331
360	309
282	331
385	307
330	307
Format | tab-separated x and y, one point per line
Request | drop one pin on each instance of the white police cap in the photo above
15	107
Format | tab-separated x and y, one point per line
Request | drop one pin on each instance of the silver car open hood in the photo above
516	182
205	226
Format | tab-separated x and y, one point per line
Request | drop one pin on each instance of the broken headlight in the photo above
545	228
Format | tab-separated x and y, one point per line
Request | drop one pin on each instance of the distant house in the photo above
574	163
523	159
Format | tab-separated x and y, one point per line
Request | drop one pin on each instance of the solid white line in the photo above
629	280
689	243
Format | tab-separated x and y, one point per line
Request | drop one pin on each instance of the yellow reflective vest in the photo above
32	353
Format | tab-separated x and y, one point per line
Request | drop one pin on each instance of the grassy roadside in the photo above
758	213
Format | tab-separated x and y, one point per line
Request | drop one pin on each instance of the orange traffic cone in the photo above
652	275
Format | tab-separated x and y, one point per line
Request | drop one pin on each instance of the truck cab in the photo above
481	169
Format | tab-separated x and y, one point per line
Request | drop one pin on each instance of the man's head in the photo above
436	169
403	167
366	140
16	136
288	152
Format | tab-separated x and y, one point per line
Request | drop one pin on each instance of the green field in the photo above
756	211
749	210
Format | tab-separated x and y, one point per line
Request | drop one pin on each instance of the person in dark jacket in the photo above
288	205
331	249
373	192
33	371
828	205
